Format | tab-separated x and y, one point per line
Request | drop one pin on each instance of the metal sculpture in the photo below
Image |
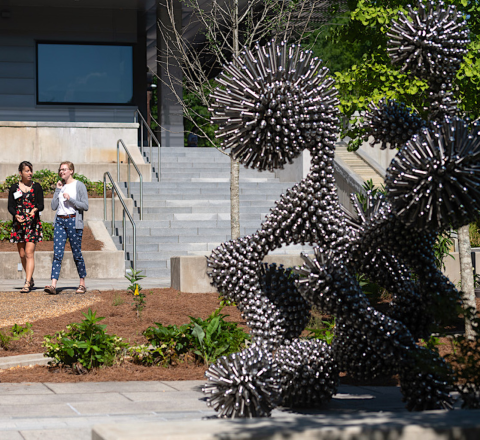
273	107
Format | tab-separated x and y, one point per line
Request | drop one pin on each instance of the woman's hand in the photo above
66	196
59	184
31	214
20	218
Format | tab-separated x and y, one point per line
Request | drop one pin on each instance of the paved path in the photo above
69	411
92	284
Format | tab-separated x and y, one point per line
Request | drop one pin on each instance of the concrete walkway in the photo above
177	410
92	284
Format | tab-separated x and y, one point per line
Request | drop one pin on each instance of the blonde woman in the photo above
70	200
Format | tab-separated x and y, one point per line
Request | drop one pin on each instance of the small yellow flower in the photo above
136	291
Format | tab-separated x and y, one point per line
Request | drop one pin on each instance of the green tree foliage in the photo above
366	73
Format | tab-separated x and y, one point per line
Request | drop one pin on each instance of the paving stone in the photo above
26	410
58	434
23	388
186	385
187	396
13	435
42	399
108	387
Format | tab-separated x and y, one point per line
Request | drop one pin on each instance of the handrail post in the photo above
141	197
104	198
124	247
113	211
118	161
134	246
125	213
128	185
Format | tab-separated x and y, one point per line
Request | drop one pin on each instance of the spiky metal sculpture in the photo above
277	101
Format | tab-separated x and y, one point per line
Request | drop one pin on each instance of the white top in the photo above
65	207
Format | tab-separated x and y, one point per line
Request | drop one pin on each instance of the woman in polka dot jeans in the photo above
70	200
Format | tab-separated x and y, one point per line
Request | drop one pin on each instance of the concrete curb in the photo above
24	360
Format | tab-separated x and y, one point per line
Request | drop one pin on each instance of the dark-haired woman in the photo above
25	202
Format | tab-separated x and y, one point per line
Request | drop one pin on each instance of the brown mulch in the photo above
88	244
4	195
127	371
49	314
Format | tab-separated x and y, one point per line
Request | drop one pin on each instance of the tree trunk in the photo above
466	274
235	198
234	165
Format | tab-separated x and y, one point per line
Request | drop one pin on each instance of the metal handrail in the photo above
151	137
130	159
125	210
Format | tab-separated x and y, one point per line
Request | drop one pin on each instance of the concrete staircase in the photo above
358	165
188	211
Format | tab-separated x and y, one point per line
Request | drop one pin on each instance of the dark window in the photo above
84	74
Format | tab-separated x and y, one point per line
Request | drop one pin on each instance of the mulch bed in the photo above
88	244
167	306
48	314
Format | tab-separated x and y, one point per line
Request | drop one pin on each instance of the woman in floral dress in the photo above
25	202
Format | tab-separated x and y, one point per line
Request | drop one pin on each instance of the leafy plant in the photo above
5	229
139	302
5	340
216	337
432	343
18	331
369	187
205	339
442	248
474	230
48	181
85	343
7	226
321	329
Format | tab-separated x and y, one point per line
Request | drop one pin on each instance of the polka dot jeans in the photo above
65	228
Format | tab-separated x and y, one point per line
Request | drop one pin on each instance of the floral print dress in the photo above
30	231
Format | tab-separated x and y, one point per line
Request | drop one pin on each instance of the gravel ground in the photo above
19	308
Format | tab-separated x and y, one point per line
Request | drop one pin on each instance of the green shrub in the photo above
216	337
48	181
206	340
321	329
5	340
6	230
86	343
17	332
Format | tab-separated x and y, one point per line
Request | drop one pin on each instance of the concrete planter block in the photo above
107	263
189	273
